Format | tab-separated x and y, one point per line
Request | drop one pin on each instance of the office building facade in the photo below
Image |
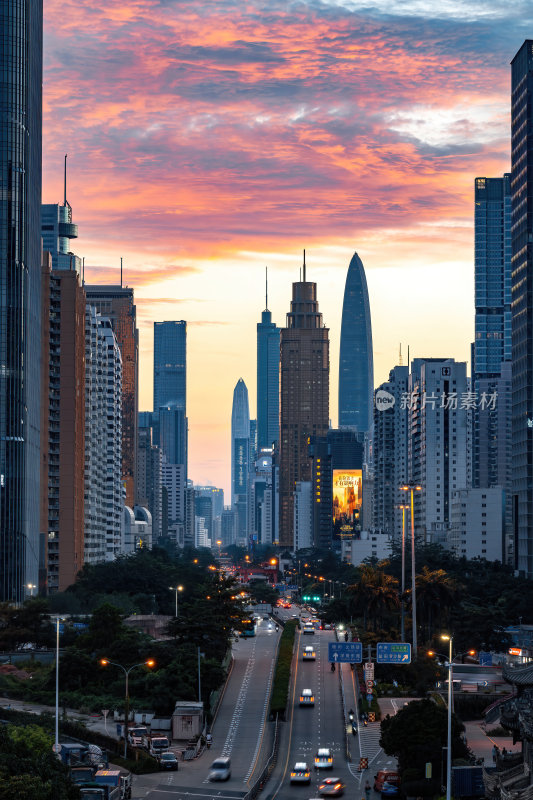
117	304
20	295
149	478
268	335
356	360
240	457
170	364
521	305
304	397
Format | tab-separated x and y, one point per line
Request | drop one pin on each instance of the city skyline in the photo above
368	151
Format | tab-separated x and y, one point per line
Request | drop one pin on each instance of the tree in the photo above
263	592
374	595
417	734
435	593
26	774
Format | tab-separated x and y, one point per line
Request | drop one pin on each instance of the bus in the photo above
247	627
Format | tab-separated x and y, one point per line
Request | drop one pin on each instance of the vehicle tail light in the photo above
330	760
337	786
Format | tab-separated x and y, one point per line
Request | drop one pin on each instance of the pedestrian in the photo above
368	790
504	751
494	753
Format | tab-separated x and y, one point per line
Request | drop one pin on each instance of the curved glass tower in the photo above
356	361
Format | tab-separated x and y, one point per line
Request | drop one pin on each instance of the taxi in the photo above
300	773
323	758
309	654
307	698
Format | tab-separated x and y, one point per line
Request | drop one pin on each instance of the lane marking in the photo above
262	728
292	717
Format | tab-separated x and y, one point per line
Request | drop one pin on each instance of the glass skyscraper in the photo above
356	361
267	381
521	305
240	441
20	298
170	364
492	275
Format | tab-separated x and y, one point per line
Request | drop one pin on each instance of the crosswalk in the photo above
366	746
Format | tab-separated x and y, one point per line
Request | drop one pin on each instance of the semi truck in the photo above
95	791
114	779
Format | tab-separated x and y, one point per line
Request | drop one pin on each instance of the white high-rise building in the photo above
477	523
174	479
104	492
201	534
439	402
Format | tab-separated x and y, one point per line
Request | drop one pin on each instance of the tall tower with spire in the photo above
267	378
356	361
304	412
58	230
240	458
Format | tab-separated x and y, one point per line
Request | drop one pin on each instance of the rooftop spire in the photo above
266	288
304	265
65	183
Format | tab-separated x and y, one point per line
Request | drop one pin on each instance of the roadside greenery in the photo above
282	674
209	610
417	734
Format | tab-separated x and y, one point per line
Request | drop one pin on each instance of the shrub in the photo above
282	674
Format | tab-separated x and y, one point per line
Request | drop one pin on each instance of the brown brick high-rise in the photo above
304	406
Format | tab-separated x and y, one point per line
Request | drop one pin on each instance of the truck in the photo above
468	781
82	774
156	745
114	779
95	791
136	735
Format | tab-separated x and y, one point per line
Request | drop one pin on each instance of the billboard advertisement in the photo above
347	502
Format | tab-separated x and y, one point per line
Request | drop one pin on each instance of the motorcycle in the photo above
332	667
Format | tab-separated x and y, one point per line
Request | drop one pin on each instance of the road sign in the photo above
369	670
345	652
393	653
363	764
369	685
369	698
371	716
292	588
56	748
485	659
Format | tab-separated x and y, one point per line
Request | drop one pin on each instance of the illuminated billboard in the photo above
347	502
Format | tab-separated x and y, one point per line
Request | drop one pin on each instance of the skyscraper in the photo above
240	457
491	351
57	230
20	297
521	305
116	303
304	411
356	360
170	364
267	380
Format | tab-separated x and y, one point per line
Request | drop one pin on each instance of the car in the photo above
300	773
389	789
323	758
220	769
168	761
307	698
331	787
265	616
327	626
309	628
308	654
294	616
385	776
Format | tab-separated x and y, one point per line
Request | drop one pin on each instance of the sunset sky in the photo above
208	140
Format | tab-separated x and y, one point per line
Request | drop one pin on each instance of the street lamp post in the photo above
402	598
449	639
176	589
412	487
56	748
126	670
31	587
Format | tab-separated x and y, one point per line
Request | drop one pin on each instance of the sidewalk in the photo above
481	744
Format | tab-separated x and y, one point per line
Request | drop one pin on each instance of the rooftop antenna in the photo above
408	362
401	361
266	288
121	272
304	266
65	183
83	271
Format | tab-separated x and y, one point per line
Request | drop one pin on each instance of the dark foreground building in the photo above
20	279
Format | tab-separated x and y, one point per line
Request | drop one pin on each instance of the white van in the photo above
220	769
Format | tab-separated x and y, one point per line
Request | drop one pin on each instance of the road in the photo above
309	728
238	730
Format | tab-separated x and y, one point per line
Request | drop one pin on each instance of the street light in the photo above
104	663
413	487
176	589
31	587
402	598
56	745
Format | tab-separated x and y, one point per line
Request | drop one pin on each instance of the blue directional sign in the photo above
393	653
345	652
485	659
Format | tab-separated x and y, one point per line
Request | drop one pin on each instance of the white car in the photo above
301	773
307	698
309	654
323	758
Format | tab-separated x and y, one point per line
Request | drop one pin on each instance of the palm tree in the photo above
435	593
374	595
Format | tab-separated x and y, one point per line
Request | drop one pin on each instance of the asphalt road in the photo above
308	728
238	730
